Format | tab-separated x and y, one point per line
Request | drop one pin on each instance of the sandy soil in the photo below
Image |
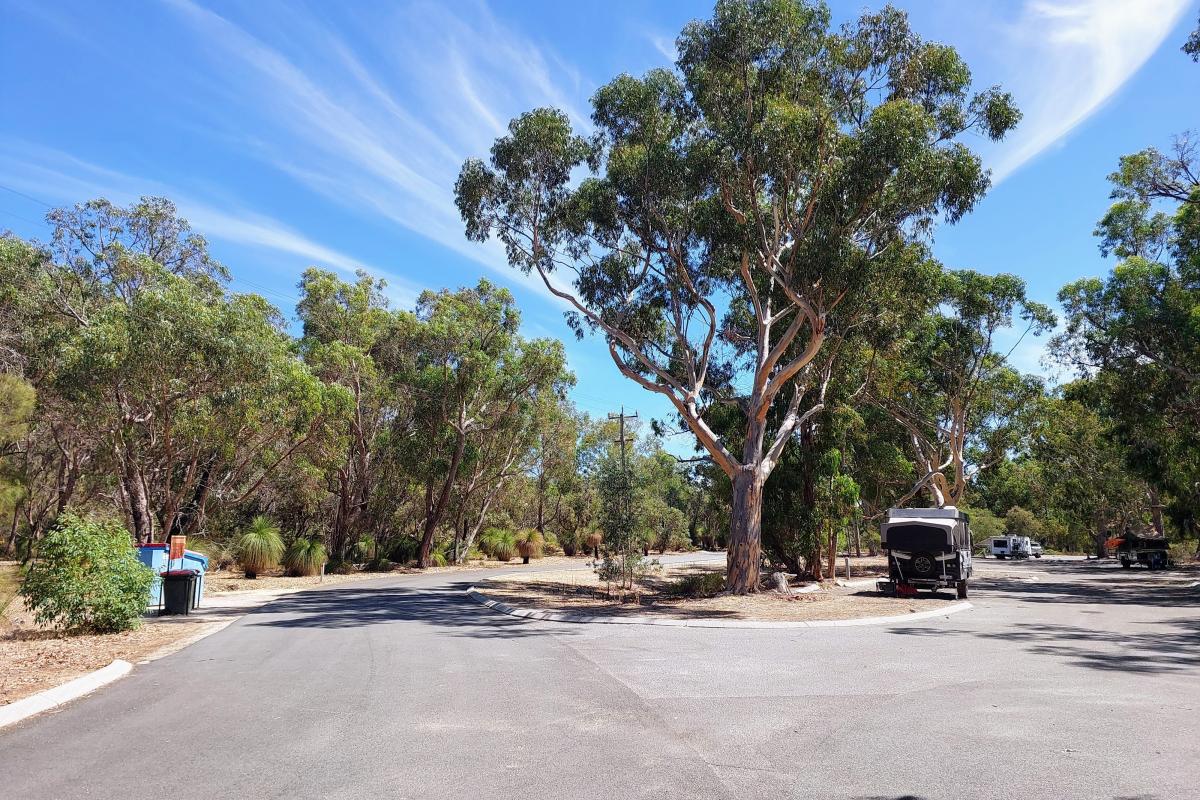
33	658
582	591
235	581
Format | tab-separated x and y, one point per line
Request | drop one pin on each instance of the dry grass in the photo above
582	591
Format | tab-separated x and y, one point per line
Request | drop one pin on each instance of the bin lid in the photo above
180	573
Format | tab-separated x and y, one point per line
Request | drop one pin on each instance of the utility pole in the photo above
628	495
622	417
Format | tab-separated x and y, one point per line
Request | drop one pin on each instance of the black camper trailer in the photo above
927	548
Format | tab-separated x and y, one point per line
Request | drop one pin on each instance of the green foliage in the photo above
404	550
17	401
701	584
304	557
87	576
499	544
1019	522
984	524
785	169
260	546
363	550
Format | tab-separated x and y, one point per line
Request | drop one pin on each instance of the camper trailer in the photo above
1011	547
927	548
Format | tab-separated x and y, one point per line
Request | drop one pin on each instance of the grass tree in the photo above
260	546
304	557
741	211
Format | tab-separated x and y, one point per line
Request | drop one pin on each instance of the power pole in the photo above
622	417
625	476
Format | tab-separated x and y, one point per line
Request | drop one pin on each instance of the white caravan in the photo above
1010	547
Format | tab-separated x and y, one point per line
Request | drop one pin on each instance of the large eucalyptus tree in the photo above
740	211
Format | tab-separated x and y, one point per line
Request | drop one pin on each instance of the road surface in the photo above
1069	679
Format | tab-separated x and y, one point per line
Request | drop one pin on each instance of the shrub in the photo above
550	544
499	544
260	546
569	542
404	550
702	584
437	558
362	550
304	557
378	565
339	567
86	575
529	544
220	556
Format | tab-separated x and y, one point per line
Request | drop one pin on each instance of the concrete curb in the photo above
571	616
64	693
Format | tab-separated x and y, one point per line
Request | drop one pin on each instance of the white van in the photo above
1010	547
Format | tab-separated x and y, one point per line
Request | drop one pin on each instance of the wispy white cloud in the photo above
60	178
1068	58
383	127
664	45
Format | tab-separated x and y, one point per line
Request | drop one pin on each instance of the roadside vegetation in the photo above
751	240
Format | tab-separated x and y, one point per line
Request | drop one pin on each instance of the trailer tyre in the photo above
924	565
961	587
1125	563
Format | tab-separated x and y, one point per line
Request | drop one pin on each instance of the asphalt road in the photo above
1069	680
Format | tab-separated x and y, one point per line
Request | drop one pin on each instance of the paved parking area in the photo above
1068	679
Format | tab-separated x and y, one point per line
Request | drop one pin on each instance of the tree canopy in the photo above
766	197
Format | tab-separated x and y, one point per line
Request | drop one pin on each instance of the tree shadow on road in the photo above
1173	646
1127	592
444	606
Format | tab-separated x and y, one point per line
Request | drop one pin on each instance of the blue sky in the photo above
296	134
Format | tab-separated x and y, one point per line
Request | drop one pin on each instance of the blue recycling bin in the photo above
154	556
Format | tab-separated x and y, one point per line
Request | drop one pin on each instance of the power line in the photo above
26	196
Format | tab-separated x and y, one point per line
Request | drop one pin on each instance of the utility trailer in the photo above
1149	550
927	548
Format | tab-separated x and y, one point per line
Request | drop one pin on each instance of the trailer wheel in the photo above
961	586
1125	562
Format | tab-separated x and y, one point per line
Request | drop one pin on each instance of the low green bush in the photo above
1184	552
260	546
499	544
304	557
362	550
702	584
404	550
379	565
339	567
85	575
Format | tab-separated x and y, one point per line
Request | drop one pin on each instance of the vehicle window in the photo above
1000	543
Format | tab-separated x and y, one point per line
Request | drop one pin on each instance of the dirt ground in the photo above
583	591
235	580
33	658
